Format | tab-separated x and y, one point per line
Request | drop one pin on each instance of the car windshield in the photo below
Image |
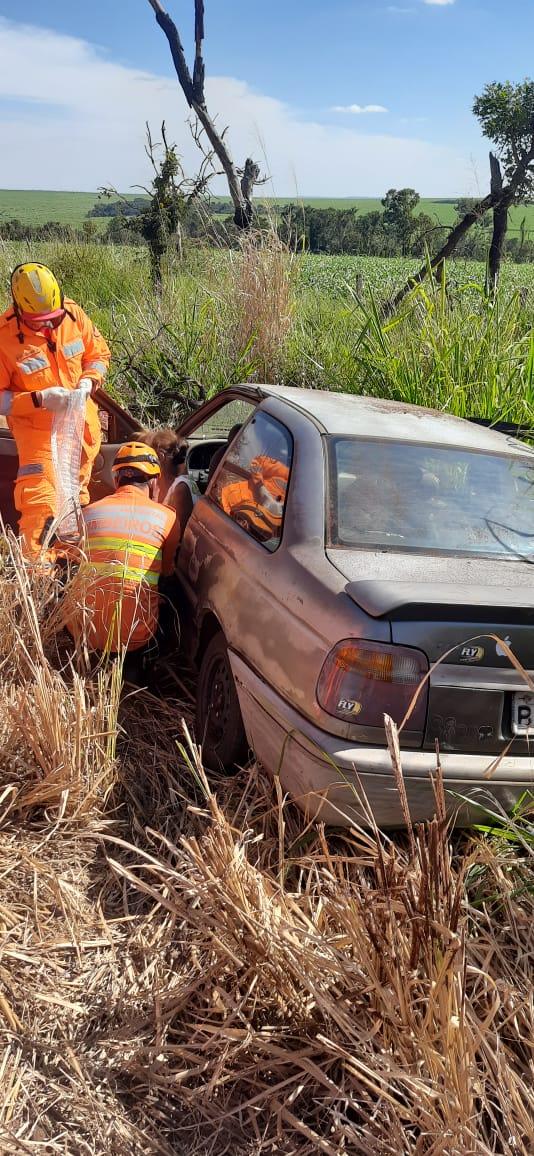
415	497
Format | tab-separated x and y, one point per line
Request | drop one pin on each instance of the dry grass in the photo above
186	967
260	303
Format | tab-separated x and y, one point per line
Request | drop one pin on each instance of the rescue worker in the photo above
130	542
257	502
48	348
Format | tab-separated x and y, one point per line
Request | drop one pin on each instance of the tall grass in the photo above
261	301
258	313
188	966
58	730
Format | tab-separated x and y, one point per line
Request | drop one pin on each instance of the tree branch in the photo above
496	197
193	89
199	70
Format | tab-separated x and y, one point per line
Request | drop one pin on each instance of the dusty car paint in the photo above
281	613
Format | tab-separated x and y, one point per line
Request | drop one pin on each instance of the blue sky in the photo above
281	72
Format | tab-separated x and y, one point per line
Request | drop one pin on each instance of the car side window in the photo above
251	485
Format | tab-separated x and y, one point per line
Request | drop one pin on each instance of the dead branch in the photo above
193	90
500	225
495	198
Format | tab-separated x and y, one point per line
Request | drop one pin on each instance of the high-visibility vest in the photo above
130	541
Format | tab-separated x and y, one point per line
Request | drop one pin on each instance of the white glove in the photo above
55	399
85	385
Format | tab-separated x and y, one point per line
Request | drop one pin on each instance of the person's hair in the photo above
234	431
170	448
131	477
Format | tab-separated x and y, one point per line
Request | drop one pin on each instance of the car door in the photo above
230	558
117	426
9	464
206	432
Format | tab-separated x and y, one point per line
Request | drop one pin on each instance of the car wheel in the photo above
219	726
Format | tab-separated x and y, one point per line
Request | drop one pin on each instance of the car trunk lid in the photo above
466	615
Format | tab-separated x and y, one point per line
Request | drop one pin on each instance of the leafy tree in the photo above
124	207
506	115
399	206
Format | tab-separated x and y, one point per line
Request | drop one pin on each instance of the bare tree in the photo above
240	181
506	115
500	225
169	199
497	198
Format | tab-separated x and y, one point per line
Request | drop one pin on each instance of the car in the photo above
350	558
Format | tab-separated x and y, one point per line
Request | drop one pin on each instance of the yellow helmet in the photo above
137	457
35	290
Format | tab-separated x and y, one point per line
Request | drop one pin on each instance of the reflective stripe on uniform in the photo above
123	520
129	547
6	402
97	367
73	347
123	572
34	469
33	364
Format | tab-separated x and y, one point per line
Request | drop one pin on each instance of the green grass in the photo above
228	316
37	207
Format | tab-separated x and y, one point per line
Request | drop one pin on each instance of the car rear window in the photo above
414	497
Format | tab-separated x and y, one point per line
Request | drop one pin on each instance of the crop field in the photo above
339	276
37	207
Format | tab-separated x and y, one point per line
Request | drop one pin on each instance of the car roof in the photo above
351	415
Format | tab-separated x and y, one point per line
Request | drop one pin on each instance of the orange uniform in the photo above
33	361
131	542
257	503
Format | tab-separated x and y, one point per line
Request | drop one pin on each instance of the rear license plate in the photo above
523	714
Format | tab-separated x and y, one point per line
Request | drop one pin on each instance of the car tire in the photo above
219	725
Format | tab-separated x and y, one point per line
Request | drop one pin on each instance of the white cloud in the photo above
86	128
439	3
358	109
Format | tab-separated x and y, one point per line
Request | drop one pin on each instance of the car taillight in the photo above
362	681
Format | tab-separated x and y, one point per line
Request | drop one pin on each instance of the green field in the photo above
37	207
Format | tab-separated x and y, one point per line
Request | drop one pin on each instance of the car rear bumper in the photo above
330	779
